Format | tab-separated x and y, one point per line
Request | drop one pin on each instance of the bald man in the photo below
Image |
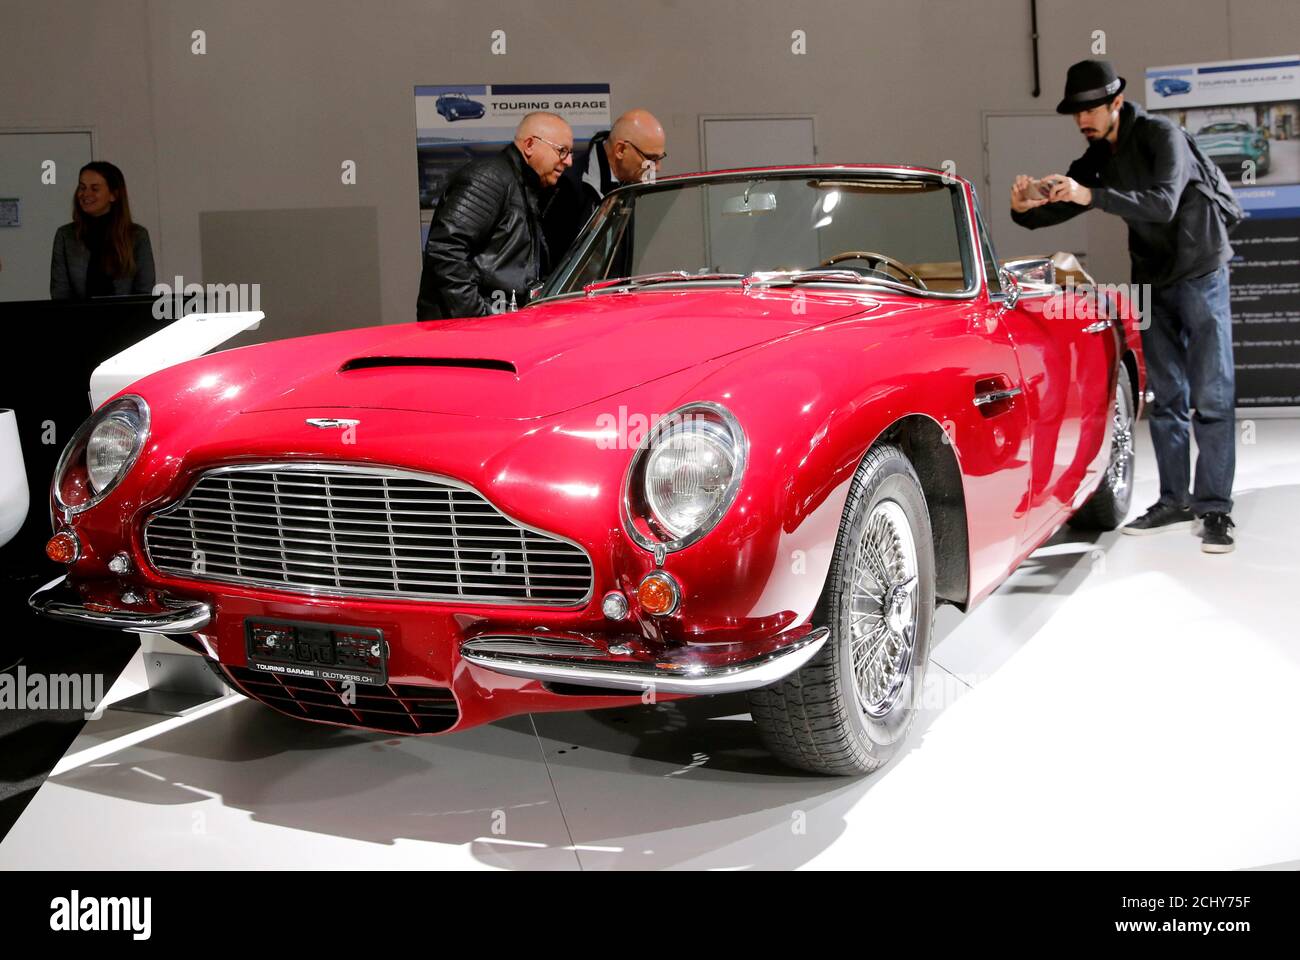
632	150
486	247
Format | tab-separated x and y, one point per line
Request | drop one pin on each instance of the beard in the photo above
1094	133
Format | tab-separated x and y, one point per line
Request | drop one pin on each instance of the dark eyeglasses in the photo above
562	150
653	158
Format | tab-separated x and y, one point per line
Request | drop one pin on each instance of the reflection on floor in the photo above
1121	702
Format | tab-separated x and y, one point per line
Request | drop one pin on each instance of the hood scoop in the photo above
470	363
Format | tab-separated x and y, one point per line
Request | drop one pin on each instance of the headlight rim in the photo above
676	420
78	444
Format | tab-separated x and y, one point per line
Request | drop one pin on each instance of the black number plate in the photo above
325	651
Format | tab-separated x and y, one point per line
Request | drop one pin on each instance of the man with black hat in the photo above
1145	169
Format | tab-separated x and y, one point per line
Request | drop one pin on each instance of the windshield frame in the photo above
972	267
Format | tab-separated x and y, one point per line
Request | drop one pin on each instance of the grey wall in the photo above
289	89
318	267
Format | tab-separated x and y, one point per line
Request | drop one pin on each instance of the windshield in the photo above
1225	128
903	231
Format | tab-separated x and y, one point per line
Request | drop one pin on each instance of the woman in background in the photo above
101	253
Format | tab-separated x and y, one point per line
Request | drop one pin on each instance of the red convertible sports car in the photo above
748	435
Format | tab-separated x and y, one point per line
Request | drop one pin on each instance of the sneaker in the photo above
1215	533
1159	518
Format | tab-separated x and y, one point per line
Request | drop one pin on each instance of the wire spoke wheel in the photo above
1119	474
882	608
846	712
1109	504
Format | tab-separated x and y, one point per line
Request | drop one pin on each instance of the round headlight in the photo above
687	476
684	476
109	449
100	453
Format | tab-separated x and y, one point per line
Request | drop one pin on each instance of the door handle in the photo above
1101	326
993	396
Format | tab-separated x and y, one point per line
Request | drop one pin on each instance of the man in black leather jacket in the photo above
1177	205
486	247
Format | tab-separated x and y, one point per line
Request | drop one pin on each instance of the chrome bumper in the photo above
664	676
58	600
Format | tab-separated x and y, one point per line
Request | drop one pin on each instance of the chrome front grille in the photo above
361	531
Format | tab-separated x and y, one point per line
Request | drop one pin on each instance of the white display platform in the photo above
1127	703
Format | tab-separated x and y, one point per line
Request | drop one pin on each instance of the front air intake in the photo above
362	530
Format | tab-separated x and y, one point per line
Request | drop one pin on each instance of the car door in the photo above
992	436
1068	355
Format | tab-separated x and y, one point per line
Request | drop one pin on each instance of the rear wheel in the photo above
847	711
1109	505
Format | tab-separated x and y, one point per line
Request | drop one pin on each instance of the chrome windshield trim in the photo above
967	234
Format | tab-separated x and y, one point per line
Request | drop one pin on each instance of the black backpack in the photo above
1213	182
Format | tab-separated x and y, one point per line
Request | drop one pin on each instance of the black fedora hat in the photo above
1089	83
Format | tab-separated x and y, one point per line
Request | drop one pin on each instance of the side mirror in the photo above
1033	271
1010	286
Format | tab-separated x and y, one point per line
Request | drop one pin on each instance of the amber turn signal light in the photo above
63	547
658	594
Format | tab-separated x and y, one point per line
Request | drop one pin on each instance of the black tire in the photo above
1109	505
816	719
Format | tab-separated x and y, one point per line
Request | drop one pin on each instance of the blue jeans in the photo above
1188	348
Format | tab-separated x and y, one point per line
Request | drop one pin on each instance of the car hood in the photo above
543	360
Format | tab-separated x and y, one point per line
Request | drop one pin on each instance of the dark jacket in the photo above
485	237
70	262
1155	182
577	196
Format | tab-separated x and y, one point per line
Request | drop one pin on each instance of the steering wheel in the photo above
874	258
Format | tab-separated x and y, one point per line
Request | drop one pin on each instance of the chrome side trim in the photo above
663	676
59	601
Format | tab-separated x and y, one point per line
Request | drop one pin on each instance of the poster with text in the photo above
1245	116
458	123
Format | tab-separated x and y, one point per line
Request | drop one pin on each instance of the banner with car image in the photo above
459	122
1245	116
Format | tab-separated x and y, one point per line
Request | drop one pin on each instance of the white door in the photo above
43	207
1033	144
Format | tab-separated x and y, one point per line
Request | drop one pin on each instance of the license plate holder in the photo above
325	651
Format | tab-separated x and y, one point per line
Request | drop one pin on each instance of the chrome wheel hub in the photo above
883	609
898	607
